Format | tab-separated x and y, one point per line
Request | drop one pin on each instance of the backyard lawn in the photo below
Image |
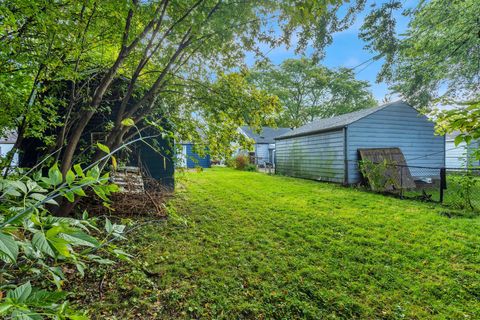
250	245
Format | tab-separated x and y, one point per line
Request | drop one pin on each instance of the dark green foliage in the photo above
38	250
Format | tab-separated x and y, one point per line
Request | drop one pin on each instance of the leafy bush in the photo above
463	190
39	249
250	167
380	176
230	162
241	161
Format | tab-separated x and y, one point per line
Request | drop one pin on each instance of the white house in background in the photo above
6	144
264	146
457	156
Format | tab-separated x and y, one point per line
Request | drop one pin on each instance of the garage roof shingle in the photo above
336	122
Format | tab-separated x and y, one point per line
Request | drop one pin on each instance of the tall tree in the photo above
308	90
156	45
436	61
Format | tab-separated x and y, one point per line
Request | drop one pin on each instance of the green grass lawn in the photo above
261	247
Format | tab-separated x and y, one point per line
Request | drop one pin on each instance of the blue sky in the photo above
347	50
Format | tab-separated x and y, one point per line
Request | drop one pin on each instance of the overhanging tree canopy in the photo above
159	46
437	60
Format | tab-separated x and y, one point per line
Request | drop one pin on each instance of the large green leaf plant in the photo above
37	248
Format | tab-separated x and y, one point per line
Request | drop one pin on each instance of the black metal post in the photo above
443	182
401	182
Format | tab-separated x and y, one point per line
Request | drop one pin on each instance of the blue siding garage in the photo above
190	159
327	149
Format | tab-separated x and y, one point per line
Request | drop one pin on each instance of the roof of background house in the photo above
336	122
267	135
8	137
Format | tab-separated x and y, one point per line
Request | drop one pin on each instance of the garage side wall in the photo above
401	126
318	156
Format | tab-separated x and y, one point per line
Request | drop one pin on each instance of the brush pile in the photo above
138	196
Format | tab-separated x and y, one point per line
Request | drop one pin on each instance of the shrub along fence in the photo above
455	187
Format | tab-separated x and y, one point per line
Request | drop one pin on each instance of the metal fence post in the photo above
401	182
443	182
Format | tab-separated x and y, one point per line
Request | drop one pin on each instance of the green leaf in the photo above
69	195
108	226
79	192
81	268
122	254
41	197
55	176
113	188
94	172
12	192
128	122
70	177
39	241
80	239
103	147
8	248
44	297
33	186
52	201
25	314
4	307
52	232
100	260
458	139
61	245
114	163
38	196
20	294
77	317
99	191
19	185
78	170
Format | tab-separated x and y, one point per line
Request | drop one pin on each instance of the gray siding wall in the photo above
261	152
457	156
319	156
397	126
